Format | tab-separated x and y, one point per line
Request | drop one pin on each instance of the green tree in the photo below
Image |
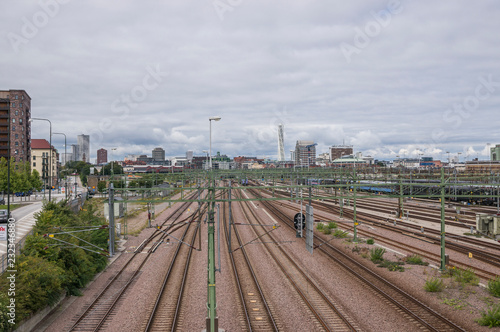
36	181
101	186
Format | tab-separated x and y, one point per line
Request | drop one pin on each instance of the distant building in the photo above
66	157
74	152
189	155
15	107
102	156
40	157
338	151
158	154
305	153
495	153
83	142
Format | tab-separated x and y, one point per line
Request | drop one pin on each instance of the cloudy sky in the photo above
389	77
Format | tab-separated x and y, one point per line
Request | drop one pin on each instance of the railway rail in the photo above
328	314
416	311
97	312
257	312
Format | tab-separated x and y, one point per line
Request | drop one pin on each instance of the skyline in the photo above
387	77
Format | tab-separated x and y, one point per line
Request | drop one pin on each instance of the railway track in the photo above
256	310
325	311
417	312
165	312
95	315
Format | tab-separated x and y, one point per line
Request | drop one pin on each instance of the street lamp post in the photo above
50	147
65	161
213	118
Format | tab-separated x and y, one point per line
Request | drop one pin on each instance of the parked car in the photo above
4	217
2	201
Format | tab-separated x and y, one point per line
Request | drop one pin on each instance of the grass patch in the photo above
490	317
377	254
464	277
494	287
370	241
392	266
320	226
434	285
475	234
415	260
456	304
332	225
327	231
340	234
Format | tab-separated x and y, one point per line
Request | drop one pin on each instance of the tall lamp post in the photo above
50	147
65	161
212	320
213	118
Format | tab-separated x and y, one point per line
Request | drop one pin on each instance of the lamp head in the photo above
214	118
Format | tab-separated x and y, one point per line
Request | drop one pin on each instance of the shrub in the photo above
392	266
494	287
434	285
340	234
466	276
370	241
491	317
332	225
320	226
376	254
327	231
415	260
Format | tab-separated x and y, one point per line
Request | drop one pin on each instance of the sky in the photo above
392	78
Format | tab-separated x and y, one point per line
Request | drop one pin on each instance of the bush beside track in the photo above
46	269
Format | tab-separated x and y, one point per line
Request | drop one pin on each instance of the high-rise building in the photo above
338	151
305	153
281	144
102	156
15	113
189	155
158	154
74	152
66	157
83	142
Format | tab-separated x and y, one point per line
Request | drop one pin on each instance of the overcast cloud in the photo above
391	78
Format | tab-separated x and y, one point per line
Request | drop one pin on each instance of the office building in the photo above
305	153
158	154
102	156
83	142
339	151
15	113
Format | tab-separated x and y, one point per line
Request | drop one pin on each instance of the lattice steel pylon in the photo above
281	144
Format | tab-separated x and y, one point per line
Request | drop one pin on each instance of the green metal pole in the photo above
354	189
443	263
212	305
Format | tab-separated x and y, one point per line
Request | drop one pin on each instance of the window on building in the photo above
21	159
34	164
13	120
17	97
34	157
22	128
13	128
20	104
17	136
16	152
16	144
20	121
17	112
